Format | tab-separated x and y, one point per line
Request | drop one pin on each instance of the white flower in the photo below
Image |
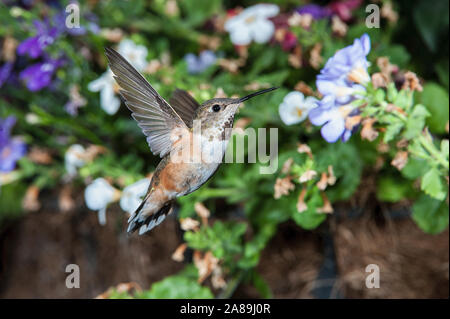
135	54
295	107
106	85
132	195
252	24
98	195
74	159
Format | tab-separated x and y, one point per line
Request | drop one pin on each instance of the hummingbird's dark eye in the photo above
216	107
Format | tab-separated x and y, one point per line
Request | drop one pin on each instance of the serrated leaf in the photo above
402	100
222	239
416	121
391	92
416	148
392	130
432	184
379	96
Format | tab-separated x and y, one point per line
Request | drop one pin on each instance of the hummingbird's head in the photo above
220	112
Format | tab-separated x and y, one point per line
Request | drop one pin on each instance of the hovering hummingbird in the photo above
169	131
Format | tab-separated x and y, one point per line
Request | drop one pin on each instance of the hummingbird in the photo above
169	130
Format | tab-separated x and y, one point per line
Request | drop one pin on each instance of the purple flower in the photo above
317	12
5	71
341	90
332	119
340	81
348	60
11	149
201	63
34	46
39	75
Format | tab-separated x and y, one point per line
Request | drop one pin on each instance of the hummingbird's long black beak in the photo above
245	98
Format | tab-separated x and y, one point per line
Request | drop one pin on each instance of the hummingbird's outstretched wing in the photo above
157	119
185	105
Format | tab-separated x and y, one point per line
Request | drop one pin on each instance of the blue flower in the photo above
34	46
339	89
39	75
332	118
11	149
5	71
317	12
201	63
340	82
348	64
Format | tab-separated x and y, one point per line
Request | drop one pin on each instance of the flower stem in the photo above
217	192
435	154
232	285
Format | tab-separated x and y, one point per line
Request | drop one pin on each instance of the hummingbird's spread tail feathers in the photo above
145	223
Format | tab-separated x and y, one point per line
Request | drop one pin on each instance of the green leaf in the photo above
310	218
416	121
379	96
222	239
445	148
403	99
392	130
430	20
416	148
177	287
197	12
275	78
435	98
347	166
441	69
430	214
11	196
432	184
392	189
391	92
262	62
397	54
261	285
253	248
415	168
